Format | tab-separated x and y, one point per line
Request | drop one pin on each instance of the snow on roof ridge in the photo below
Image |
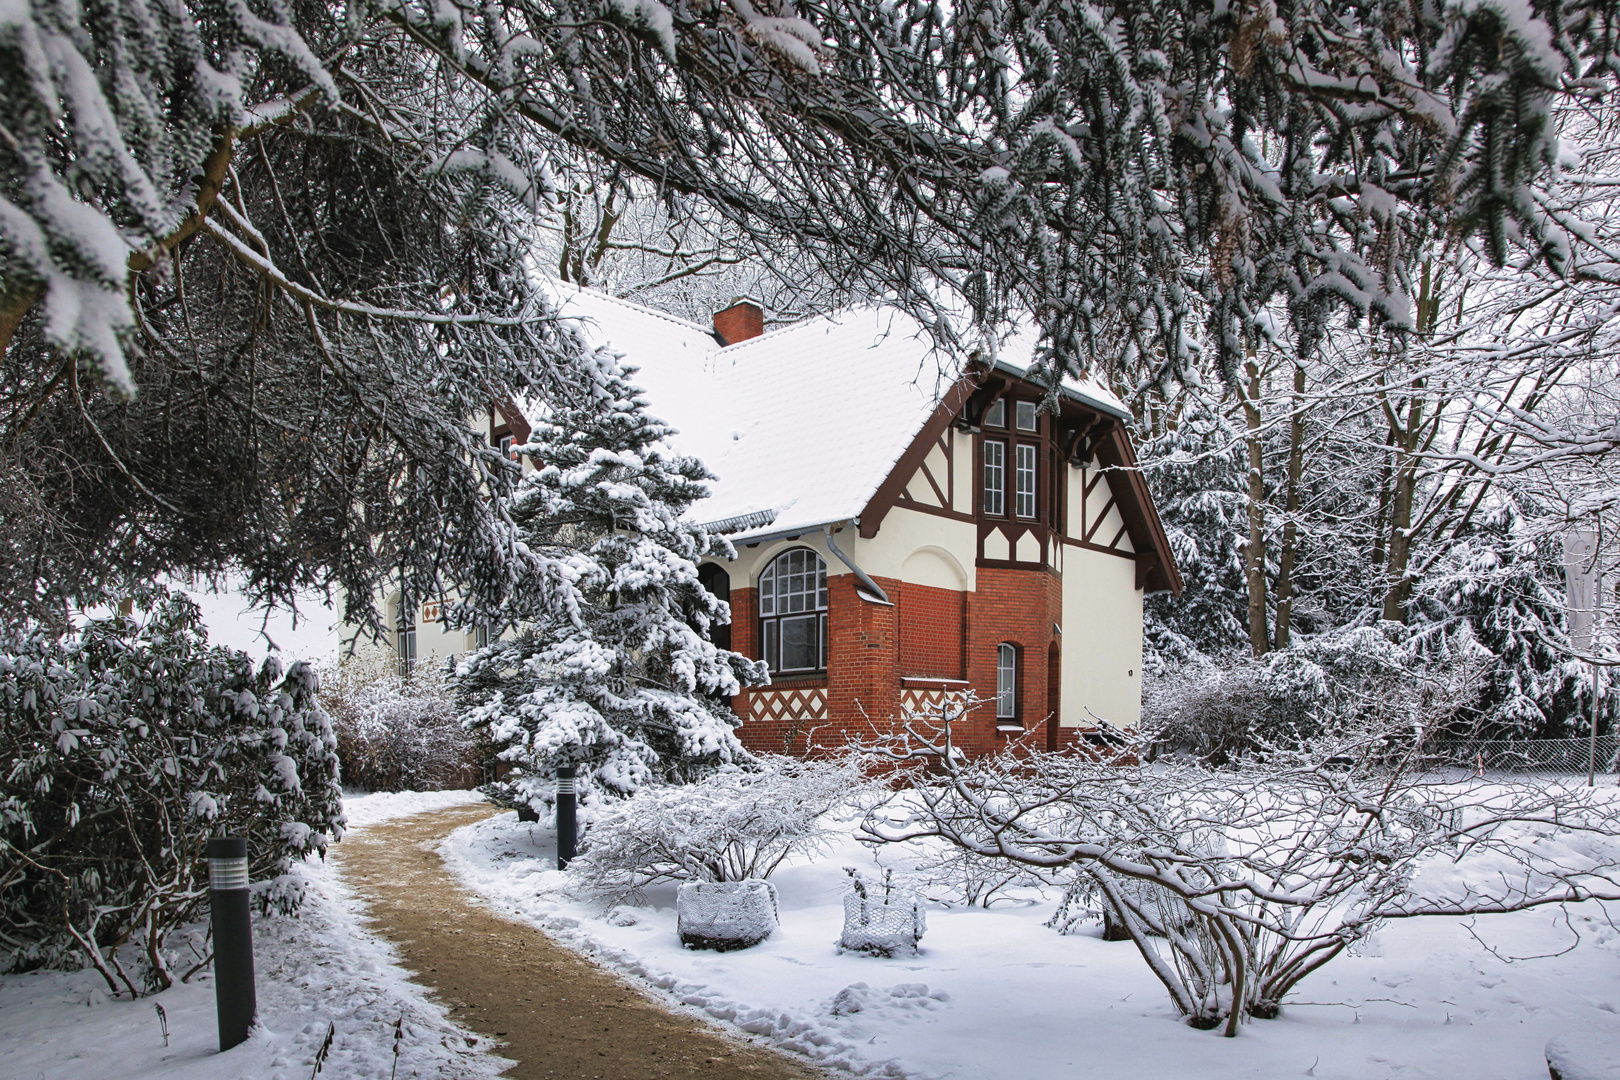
568	286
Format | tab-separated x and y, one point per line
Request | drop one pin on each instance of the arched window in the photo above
793	612
1006	681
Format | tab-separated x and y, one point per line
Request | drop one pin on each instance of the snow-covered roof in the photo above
799	425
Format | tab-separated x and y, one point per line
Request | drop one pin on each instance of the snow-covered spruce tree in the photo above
611	669
127	743
1502	593
1198	474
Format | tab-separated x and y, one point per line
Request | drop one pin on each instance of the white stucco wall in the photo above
1102	639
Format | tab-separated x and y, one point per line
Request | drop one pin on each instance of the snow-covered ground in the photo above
321	968
995	995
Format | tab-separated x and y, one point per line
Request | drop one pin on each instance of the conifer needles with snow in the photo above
611	669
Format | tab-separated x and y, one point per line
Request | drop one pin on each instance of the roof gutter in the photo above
860	575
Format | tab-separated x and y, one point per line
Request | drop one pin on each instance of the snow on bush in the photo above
398	733
732	825
1368	676
1235	884
128	743
725	915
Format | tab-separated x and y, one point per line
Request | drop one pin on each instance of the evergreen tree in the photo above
1198	477
1501	590
611	669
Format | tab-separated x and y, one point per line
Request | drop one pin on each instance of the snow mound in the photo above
901	999
725	915
1590	1055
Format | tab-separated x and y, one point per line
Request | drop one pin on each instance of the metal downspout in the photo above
860	575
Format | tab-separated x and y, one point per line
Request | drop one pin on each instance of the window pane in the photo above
771	659
996	414
801	643
995	477
767	591
1026	481
1026	416
1006	682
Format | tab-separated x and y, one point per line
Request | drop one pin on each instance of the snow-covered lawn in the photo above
318	969
995	994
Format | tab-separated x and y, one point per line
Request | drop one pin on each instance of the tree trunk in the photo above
1400	512
1285	561
1254	558
1379	554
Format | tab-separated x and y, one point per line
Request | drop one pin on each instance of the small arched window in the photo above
1006	681
793	612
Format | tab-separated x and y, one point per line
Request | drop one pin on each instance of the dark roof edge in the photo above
1068	391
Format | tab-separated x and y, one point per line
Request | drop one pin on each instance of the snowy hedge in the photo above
127	744
398	733
732	825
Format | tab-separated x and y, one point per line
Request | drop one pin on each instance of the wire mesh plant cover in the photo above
882	927
725	915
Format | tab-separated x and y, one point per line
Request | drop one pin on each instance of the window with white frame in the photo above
793	612
405	636
1024	502
1006	681
995	477
995	415
1024	412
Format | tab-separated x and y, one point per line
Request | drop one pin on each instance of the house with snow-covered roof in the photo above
902	532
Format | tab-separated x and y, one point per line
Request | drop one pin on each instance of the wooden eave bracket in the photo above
521	430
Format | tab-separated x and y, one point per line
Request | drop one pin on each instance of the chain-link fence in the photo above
1557	756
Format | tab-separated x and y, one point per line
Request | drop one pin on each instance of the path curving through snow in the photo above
553	1012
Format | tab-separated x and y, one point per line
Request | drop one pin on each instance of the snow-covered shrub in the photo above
881	919
949	876
1236	883
127	743
1215	713
398	733
735	824
725	915
1358	678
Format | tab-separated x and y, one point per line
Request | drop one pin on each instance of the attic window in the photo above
1026	415
996	414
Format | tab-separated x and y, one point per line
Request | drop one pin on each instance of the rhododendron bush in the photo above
126	744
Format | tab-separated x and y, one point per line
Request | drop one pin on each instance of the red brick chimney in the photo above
744	319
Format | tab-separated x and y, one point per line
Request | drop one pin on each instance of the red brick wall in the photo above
1018	606
930	631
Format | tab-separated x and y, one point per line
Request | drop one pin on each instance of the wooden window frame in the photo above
1000	509
770	622
995	415
405	637
1033	452
1034	417
1009	697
